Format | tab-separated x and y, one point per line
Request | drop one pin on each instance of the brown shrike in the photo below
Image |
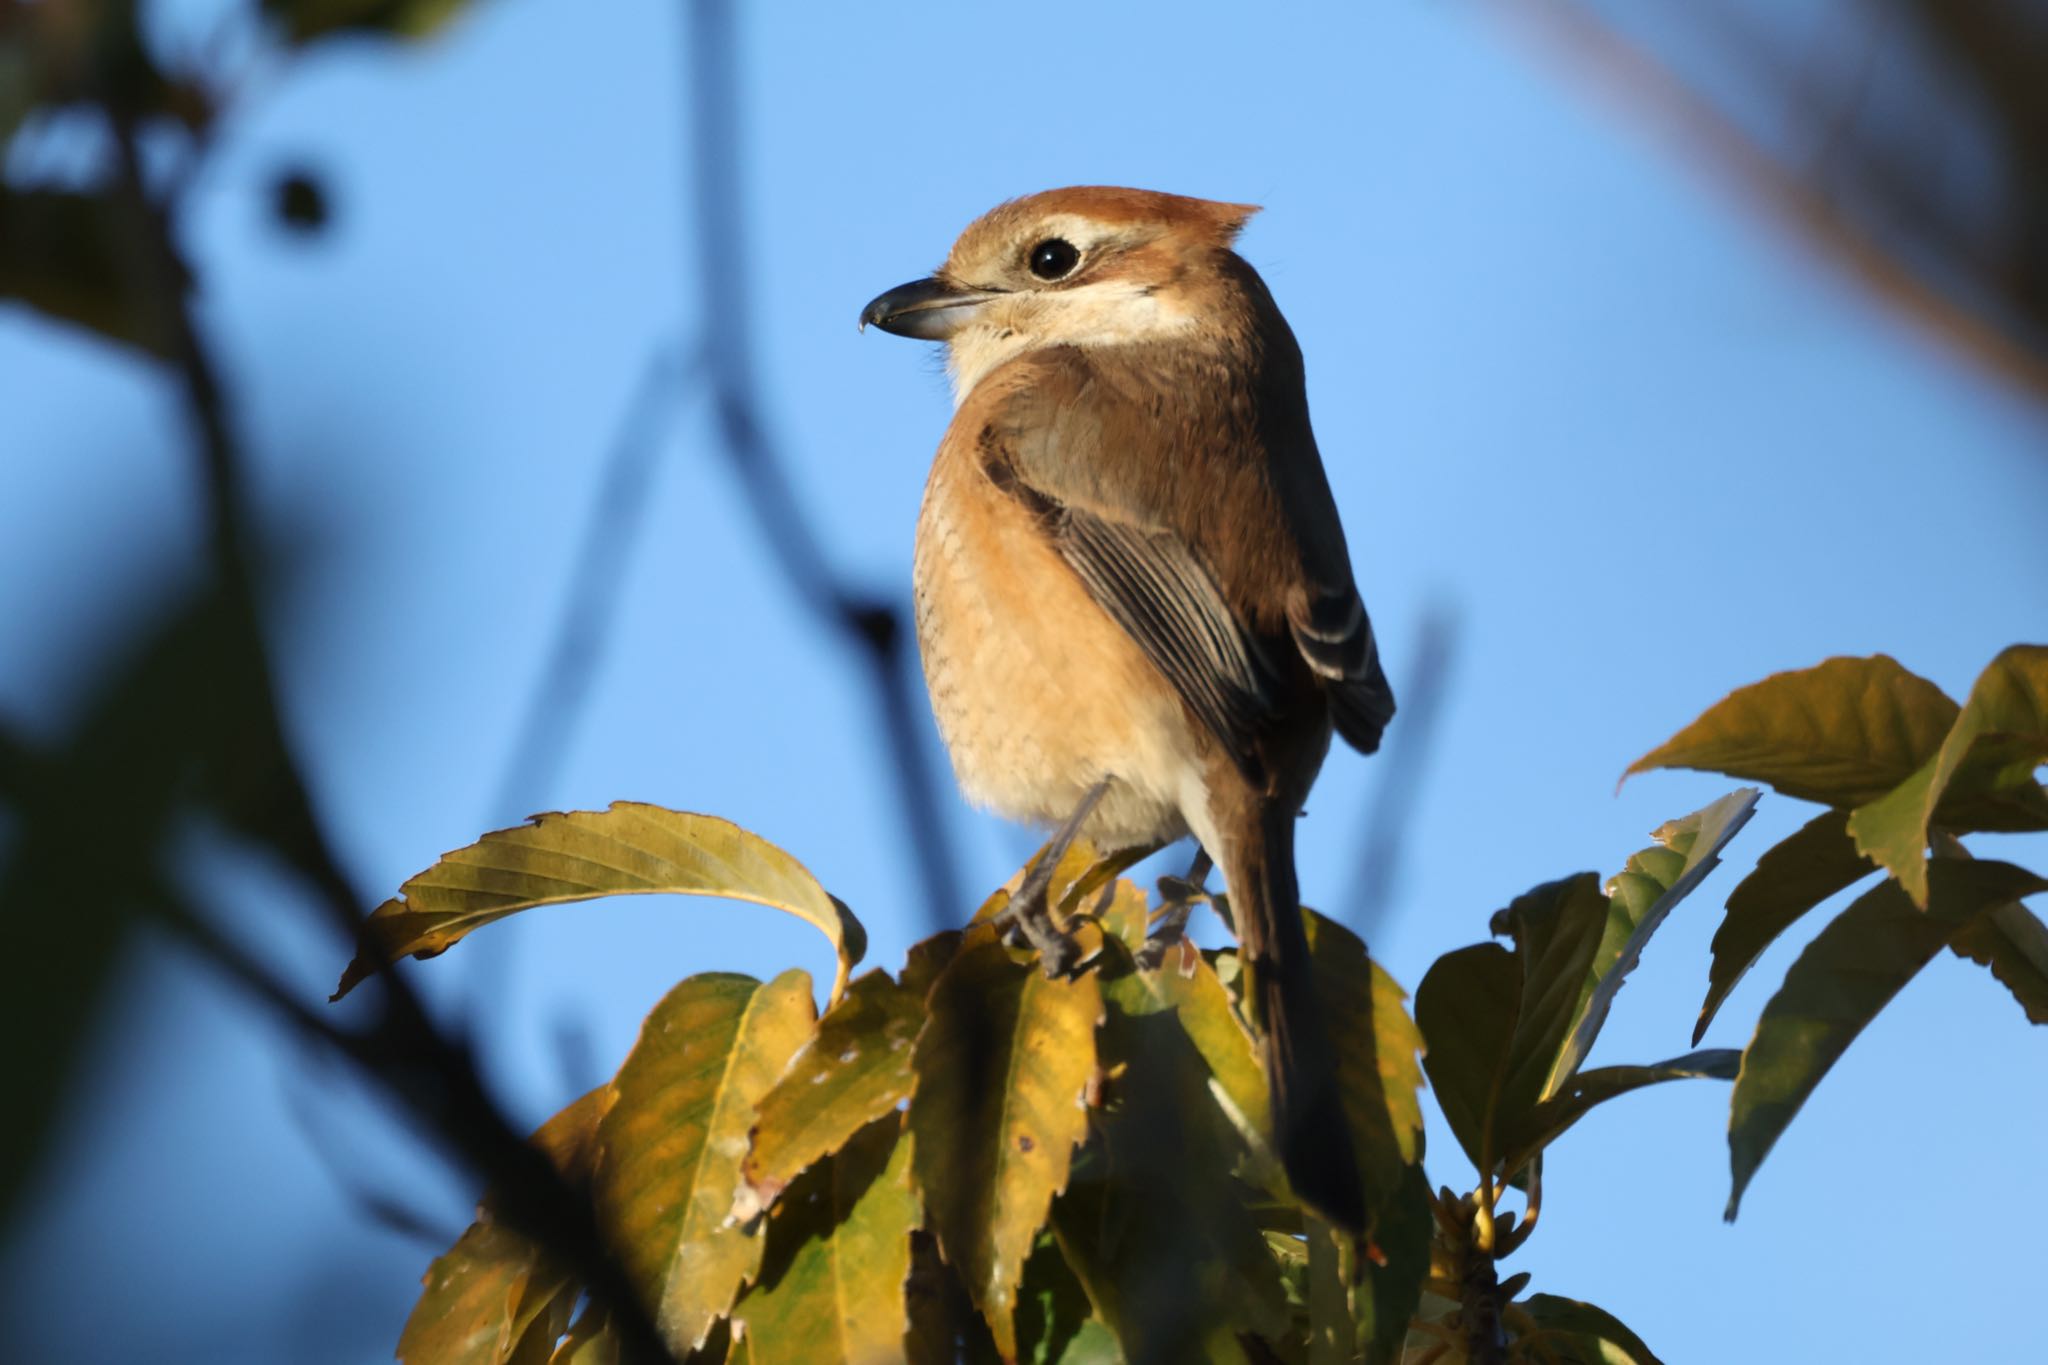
1134	601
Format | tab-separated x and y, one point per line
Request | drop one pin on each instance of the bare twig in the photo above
874	626
431	1075
1653	89
1402	771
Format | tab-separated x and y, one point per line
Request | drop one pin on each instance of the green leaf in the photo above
1687	850
1053	1310
1994	746
2013	942
1002	1066
1587	1089
73	257
856	1069
1841	733
1557	928
1467	1006
1845	976
670	1148
1187	984
307	20
1575	1333
832	1282
1798	873
581	855
1360	1310
1164	1245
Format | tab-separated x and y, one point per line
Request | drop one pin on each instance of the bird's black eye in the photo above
1052	258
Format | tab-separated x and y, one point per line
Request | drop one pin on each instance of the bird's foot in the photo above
1029	912
1178	896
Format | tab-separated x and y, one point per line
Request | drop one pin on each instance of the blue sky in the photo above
1642	448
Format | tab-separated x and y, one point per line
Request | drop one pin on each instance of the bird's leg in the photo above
1028	912
1180	895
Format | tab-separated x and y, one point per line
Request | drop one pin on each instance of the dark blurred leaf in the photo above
1053	1311
1002	1065
1796	874
72	257
831	1284
300	202
2013	942
306	20
1467	1006
1845	976
1640	897
1575	1333
556	858
1997	741
1154	1225
670	1147
856	1069
1588	1089
1841	733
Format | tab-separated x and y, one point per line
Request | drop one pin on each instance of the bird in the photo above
1134	602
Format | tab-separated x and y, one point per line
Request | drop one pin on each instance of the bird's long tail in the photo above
1309	1126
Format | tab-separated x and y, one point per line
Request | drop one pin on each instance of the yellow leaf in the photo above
581	855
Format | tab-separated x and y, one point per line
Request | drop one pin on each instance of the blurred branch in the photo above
430	1075
590	606
1401	772
875	627
2000	54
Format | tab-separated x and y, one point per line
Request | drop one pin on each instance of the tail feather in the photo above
1309	1124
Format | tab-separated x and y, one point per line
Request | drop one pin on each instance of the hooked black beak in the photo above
929	309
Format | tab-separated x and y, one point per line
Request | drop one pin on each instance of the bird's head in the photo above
1087	266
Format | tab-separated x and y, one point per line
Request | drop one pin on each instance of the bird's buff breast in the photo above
1039	694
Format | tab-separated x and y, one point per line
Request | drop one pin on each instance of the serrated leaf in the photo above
1841	733
669	1150
1466	1007
1845	976
628	849
1002	1065
2013	942
1687	850
1575	1333
854	1070
1995	744
1164	1245
1588	1089
1053	1310
1796	874
832	1282
496	1296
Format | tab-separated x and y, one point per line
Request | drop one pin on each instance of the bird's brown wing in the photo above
1161	522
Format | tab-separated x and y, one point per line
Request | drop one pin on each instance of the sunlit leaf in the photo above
1996	743
1002	1068
1467	1006
589	1341
1575	1333
1796	874
831	1284
1587	1089
2013	942
497	1296
856	1069
671	1145
630	848
1845	976
1639	900
1841	733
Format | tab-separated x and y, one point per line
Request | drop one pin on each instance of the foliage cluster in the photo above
968	1159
